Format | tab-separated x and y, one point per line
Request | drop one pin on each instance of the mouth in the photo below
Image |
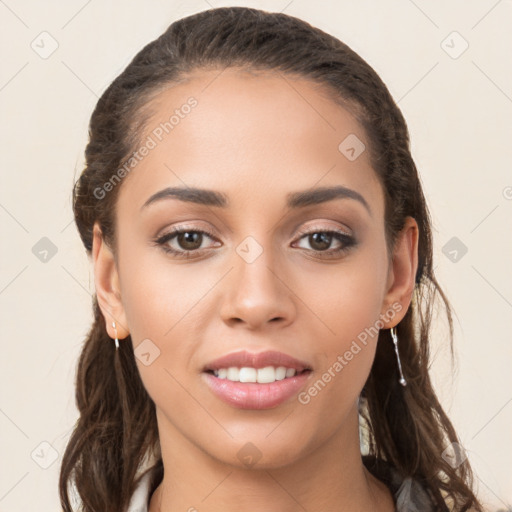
256	380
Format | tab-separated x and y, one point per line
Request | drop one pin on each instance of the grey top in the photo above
409	494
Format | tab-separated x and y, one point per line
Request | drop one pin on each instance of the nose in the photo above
257	293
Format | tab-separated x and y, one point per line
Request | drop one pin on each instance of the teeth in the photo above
290	372
267	374
280	373
261	375
248	375
233	374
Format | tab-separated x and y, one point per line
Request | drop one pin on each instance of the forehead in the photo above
238	130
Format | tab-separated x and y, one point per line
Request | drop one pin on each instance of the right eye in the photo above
184	241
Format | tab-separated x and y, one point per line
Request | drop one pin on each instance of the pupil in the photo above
188	240
321	240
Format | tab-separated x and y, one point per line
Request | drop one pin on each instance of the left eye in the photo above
321	241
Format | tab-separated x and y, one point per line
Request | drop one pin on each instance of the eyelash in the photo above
345	239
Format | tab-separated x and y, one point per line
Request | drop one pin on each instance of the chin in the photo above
259	451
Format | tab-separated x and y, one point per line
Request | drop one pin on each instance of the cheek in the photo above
161	304
348	297
160	312
158	296
347	303
347	355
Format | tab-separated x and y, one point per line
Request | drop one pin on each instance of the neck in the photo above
331	477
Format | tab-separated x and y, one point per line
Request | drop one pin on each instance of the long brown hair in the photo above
115	439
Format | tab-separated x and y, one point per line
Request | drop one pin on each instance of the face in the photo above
263	262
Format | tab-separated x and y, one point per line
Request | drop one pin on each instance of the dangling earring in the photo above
395	342
116	340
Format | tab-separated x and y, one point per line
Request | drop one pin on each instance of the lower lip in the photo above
251	395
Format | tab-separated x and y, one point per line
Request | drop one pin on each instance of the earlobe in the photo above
402	271
106	281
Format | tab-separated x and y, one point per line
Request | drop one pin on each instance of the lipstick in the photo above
261	380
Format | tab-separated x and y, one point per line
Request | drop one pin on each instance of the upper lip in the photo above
244	358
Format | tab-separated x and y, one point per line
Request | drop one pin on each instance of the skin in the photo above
256	138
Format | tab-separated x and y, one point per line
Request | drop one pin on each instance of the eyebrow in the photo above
294	200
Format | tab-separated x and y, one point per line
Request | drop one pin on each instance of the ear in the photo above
402	273
106	281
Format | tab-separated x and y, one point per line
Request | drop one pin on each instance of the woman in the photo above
264	286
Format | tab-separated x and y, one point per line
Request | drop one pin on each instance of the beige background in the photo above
458	111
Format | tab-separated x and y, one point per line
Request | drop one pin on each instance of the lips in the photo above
256	395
